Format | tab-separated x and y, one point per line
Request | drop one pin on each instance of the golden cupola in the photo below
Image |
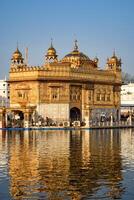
78	58
51	54
17	57
114	62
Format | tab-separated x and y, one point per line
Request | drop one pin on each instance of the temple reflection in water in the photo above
63	164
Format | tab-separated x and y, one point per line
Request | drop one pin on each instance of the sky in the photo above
100	26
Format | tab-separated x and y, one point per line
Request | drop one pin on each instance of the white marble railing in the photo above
111	124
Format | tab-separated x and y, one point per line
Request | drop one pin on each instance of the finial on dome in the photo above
17	45
51	46
114	53
76	45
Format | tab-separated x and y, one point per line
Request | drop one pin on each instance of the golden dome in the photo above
114	60
75	55
17	56
78	58
51	53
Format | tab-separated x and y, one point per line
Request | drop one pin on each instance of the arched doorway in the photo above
75	114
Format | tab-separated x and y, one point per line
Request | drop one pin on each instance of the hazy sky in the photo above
100	26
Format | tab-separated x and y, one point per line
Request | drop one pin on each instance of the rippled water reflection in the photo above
67	165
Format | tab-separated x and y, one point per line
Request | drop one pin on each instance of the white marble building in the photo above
127	98
4	93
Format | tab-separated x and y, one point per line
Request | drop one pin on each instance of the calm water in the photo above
67	165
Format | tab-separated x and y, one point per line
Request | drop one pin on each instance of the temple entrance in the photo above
15	119
75	114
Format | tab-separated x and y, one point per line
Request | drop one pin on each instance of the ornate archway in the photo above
75	114
16	117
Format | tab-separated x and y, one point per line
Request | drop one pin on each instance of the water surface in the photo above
67	165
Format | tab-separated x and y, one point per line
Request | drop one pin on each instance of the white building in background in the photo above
127	98
4	93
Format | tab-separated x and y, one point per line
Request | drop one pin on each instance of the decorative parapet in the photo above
26	68
64	71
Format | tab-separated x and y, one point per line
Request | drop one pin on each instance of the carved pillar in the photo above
26	119
86	118
87	97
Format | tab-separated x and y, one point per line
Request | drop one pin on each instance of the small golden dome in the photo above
114	61
17	55
51	53
114	57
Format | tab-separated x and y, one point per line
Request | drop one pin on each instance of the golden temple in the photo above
67	90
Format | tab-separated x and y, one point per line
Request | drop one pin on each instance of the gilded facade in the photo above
71	89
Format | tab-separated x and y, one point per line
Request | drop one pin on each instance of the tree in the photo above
126	78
